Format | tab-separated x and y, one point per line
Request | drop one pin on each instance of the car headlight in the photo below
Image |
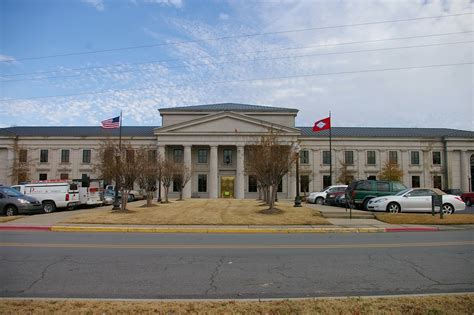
380	200
23	201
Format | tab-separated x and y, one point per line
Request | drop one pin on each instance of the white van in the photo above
52	194
90	196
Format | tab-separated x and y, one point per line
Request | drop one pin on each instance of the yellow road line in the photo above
236	246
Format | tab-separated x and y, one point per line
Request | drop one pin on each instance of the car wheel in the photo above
10	211
365	203
320	201
393	207
468	203
48	207
447	209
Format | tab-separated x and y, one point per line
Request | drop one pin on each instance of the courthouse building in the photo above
211	140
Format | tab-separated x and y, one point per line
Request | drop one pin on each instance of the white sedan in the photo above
416	200
318	197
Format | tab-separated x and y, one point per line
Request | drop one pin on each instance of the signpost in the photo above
437	201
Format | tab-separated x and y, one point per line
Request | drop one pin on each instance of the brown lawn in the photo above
455	304
204	212
422	218
6	219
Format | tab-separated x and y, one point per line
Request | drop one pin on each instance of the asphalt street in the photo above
114	265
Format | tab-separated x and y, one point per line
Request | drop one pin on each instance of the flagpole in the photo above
120	133
330	150
117	161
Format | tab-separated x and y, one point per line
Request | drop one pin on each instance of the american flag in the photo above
111	123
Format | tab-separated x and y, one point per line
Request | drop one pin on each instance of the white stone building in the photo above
211	140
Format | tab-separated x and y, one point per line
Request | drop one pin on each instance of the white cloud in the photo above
97	4
4	58
174	3
223	16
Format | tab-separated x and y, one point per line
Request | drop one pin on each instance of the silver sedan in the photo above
416	200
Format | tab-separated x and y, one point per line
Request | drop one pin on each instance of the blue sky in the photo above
138	82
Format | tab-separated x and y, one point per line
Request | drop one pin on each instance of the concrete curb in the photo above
216	230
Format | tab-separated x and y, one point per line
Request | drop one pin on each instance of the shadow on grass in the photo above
271	211
126	211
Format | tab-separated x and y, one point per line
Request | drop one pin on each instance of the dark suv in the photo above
360	192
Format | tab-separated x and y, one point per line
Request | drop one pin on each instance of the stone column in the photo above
213	167
465	171
426	177
360	174
239	183
187	162
162	155
405	165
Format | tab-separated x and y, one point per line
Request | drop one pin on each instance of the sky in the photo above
372	63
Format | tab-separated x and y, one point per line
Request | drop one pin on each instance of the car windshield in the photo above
400	193
11	192
325	188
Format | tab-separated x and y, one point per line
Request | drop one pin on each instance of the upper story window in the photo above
86	156
65	156
178	155
415	158
371	158
393	157
227	156
44	156
202	156
151	155
23	158
304	157
326	158
436	158
252	183
349	157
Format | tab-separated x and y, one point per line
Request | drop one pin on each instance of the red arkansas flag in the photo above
322	124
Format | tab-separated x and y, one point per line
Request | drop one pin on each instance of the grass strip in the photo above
421	218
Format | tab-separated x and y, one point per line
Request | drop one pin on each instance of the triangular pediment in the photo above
225	123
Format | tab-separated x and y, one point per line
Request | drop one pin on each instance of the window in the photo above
176	185
130	156
383	186
304	183
227	156
437	158
304	157
65	156
252	184
364	185
393	157
202	183
64	176
415	158
398	186
280	186
437	181
202	156
372	177
415	181
326	180
178	156
86	156
326	158
43	176
349	157
44	156
23	158
151	155
418	193
371	158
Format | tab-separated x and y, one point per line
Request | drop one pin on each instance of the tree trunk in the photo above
273	190
181	194
166	193
124	199
149	198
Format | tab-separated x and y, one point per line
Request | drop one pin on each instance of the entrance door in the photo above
227	186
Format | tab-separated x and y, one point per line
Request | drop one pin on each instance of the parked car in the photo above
330	199
453	191
52	194
318	197
468	198
109	197
341	200
133	194
360	192
13	202
416	199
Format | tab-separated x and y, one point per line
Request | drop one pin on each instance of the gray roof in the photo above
77	131
235	107
388	132
147	131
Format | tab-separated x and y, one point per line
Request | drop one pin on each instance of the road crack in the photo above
212	280
416	268
43	273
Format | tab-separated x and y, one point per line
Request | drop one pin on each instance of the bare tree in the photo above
182	175
148	166
346	176
119	164
391	171
167	175
269	160
21	169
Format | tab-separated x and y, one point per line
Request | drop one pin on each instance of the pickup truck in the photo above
468	198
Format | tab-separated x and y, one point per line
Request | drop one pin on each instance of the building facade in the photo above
212	139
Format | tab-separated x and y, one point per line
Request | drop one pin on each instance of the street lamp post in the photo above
117	179
297	149
159	190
